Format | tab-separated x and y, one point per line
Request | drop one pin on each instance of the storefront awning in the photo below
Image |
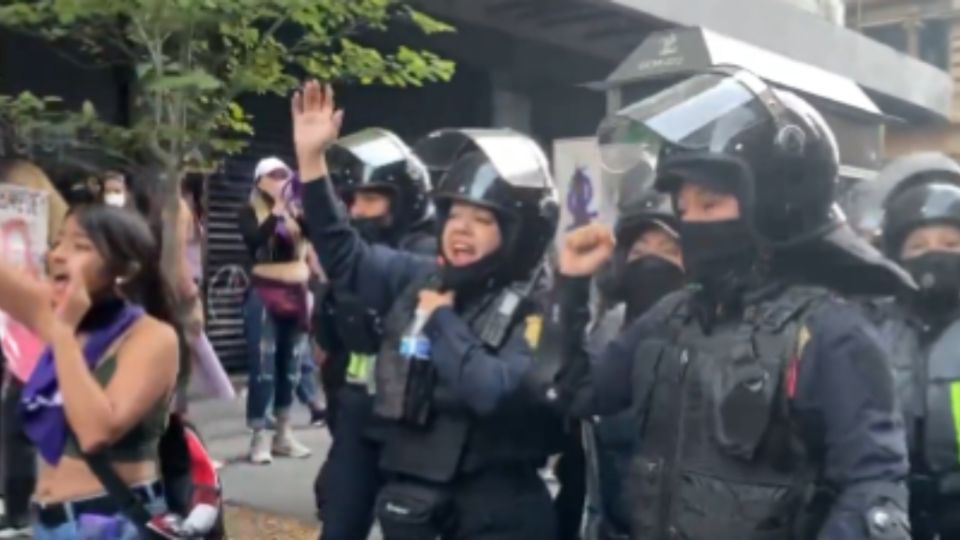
666	55
901	85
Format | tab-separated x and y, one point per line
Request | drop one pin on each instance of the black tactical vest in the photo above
346	325
455	440
926	369
717	456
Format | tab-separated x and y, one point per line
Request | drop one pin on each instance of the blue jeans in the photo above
306	390
97	527
275	351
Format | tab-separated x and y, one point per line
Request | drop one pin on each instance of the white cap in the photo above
270	164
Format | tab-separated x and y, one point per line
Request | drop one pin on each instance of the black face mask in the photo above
104	309
374	230
937	273
718	255
646	280
475	277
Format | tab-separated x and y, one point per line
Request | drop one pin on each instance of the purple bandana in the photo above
41	406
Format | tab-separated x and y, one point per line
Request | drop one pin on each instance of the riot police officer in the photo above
919	220
385	188
463	443
764	405
646	265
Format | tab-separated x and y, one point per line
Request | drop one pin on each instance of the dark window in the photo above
933	40
935	43
893	35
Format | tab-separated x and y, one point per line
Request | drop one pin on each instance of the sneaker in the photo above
10	528
260	448
318	417
284	444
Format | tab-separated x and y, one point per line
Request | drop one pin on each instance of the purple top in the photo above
41	405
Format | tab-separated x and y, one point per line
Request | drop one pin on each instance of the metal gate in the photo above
226	262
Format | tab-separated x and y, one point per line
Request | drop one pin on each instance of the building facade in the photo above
928	30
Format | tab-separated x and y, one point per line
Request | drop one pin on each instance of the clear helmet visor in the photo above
708	112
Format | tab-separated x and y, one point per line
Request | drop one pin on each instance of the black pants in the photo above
496	504
333	378
571	473
18	457
937	518
349	480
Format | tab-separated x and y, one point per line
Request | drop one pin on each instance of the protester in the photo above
765	404
385	188
18	454
918	200
116	190
112	361
275	310
464	438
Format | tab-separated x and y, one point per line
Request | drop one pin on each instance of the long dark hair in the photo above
132	254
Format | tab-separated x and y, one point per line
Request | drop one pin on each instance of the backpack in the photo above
191	486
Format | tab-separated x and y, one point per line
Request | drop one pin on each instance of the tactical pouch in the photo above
418	395
743	394
409	511
360	329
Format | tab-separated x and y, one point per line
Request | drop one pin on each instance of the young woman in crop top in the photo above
275	311
105	382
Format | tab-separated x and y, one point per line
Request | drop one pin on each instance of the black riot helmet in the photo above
726	128
768	147
910	191
375	159
506	172
931	203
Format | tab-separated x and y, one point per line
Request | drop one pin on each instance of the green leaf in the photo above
427	24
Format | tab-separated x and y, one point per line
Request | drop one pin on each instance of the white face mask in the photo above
115	199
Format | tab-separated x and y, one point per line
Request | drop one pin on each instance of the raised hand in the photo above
316	125
585	249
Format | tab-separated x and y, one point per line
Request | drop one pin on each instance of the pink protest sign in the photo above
23	243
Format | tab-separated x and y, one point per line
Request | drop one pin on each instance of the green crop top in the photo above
141	442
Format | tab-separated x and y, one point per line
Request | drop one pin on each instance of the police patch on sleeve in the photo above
534	326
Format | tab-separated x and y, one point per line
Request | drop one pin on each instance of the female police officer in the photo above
463	447
764	407
918	200
385	188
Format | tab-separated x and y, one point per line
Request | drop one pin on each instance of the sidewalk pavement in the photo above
284	487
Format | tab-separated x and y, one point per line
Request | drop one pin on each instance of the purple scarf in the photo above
41	406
